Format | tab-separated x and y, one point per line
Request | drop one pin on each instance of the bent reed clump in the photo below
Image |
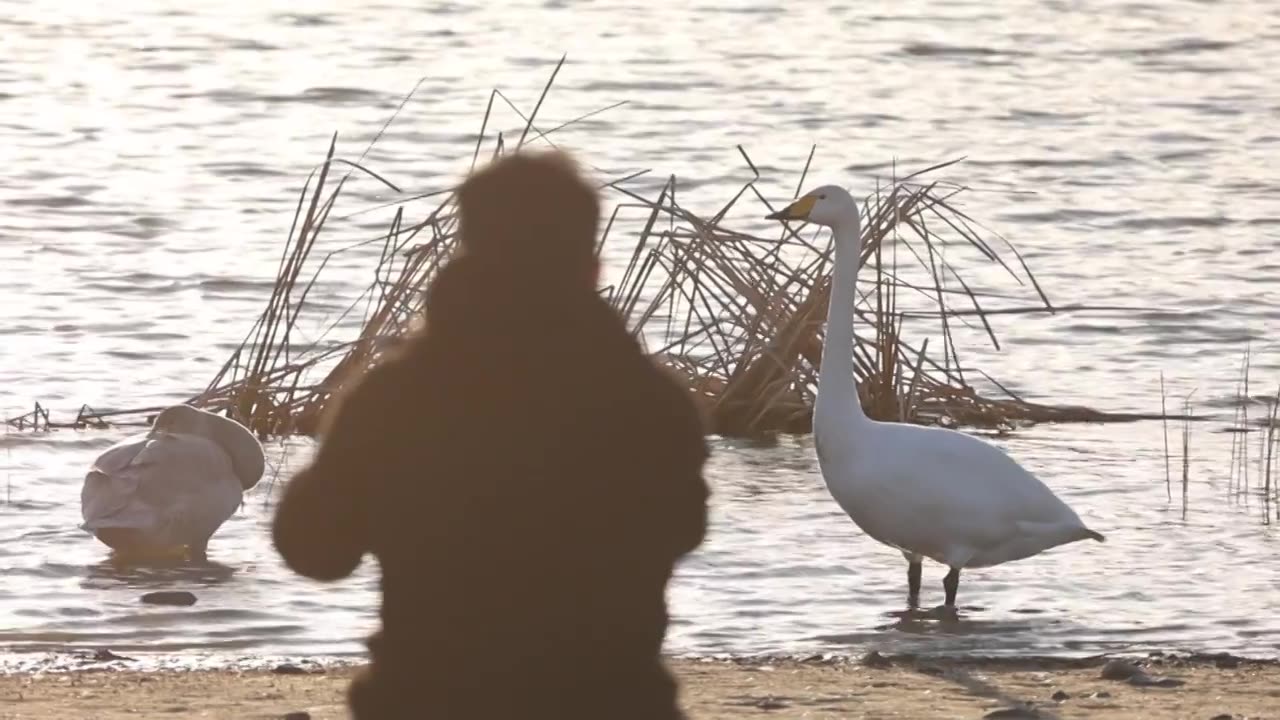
737	316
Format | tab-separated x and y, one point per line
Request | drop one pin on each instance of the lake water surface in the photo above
153	151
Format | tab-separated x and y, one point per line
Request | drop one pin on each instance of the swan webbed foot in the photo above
913	583
951	583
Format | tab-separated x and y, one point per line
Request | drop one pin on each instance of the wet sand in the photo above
1212	688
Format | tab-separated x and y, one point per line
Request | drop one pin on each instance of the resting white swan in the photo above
167	491
929	492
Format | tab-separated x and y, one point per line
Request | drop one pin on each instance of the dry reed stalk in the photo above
738	316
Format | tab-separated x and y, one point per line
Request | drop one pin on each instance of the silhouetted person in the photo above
526	477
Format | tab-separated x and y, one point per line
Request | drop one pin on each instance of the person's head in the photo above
532	212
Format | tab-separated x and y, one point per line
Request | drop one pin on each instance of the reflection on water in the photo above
959	622
155	159
783	569
156	575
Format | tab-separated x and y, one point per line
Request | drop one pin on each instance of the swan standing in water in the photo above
165	493
929	492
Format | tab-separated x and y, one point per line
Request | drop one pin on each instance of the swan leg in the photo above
951	583
913	581
198	552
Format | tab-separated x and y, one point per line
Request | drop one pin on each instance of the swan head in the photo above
829	206
247	458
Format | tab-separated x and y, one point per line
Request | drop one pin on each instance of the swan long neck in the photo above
836	379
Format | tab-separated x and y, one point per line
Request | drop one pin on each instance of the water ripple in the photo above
157	156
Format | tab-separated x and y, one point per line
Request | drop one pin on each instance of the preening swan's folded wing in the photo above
138	483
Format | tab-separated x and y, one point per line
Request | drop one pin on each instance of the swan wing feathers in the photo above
968	474
948	494
161	481
109	485
119	456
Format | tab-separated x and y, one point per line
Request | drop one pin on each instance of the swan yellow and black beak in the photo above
798	210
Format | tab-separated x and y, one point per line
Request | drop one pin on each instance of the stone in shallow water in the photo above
1226	662
170	597
105	655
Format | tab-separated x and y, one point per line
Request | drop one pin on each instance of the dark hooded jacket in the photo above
527	479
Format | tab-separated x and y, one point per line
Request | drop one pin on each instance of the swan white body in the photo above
169	490
929	492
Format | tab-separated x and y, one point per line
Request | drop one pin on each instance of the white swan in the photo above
929	492
166	492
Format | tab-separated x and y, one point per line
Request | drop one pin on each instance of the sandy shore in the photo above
1210	688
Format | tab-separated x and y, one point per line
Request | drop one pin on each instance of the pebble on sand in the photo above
1014	713
1120	670
291	669
874	659
1126	671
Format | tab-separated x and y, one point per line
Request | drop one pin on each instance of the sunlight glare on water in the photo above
154	150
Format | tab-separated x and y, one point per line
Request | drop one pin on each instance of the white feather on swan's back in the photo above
940	493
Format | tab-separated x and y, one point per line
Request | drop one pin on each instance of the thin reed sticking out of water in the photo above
1186	450
1164	421
1238	479
1270	492
1239	488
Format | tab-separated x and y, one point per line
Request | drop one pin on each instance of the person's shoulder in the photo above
649	380
384	385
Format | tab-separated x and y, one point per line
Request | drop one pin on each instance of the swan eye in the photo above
822	197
